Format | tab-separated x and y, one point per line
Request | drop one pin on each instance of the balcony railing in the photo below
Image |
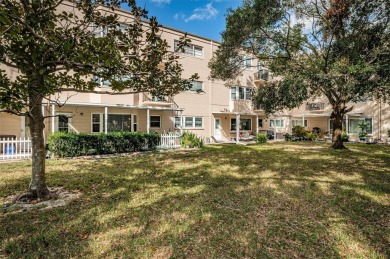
147	98
261	75
315	106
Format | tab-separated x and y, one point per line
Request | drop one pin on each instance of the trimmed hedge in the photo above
63	144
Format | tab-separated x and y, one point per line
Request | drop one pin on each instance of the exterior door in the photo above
217	129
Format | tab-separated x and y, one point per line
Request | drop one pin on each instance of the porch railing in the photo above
169	141
16	148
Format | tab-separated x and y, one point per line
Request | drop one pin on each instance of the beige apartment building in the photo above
210	108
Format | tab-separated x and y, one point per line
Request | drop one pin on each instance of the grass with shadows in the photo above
223	201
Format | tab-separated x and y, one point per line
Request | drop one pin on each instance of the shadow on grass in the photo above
222	201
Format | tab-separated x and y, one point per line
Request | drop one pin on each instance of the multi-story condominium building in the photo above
210	108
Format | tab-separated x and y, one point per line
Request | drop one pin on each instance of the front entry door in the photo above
217	129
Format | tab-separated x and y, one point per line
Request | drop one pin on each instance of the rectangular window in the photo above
118	122
155	121
190	49
248	93
245	124
276	123
260	123
299	123
134	123
177	122
198	122
115	122
190	122
233	93
354	125
242	93
233	124
259	65
246	62
96	126
196	86
63	123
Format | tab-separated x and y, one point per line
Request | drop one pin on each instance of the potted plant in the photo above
344	137
363	131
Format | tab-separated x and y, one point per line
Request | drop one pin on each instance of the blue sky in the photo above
200	17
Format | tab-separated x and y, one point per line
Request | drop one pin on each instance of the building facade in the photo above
210	108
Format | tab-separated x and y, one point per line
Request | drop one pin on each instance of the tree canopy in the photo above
339	49
59	46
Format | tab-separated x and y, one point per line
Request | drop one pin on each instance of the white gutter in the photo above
122	106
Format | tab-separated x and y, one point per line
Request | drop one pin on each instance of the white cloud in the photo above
161	1
206	13
179	16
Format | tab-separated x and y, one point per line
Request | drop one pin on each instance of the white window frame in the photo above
196	90
102	124
273	121
193	46
244	92
57	119
193	125
243	63
241	119
295	121
362	120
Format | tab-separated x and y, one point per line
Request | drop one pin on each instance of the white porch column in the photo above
238	128
147	120
53	118
257	124
346	123
105	119
181	123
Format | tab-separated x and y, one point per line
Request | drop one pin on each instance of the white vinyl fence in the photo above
169	141
15	148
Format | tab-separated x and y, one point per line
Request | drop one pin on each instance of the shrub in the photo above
261	138
311	136
63	144
299	131
287	137
191	140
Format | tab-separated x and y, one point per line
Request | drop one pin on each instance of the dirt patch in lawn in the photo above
60	197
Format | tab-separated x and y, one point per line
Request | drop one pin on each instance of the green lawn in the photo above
224	201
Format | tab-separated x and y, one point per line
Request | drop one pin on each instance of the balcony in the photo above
161	100
261	76
315	106
257	107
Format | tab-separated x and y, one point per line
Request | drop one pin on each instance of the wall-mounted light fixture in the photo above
81	114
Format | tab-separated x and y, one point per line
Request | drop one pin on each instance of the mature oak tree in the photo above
339	49
59	49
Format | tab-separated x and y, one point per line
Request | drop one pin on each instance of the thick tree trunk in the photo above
337	131
37	188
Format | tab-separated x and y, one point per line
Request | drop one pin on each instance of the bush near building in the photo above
62	144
